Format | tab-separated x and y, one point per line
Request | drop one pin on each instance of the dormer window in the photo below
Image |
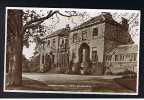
95	32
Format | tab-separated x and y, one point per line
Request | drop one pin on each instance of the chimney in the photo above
67	27
107	15
125	24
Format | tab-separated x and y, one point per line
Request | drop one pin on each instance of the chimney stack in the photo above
67	27
125	24
107	15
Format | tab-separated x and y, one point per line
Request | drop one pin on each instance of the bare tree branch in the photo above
34	25
51	13
75	14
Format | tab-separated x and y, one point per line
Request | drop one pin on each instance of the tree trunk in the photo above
7	62
15	71
15	29
18	68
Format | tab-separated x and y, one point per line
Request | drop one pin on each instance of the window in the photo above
84	35
53	42
94	56
108	58
53	58
48	43
62	43
75	37
43	59
95	31
116	57
121	57
66	43
43	46
135	57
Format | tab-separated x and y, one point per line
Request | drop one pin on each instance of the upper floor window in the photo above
54	42
84	35
95	31
48	43
43	46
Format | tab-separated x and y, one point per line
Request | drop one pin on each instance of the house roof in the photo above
60	32
122	49
57	32
97	19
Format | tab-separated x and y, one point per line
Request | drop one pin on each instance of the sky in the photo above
60	22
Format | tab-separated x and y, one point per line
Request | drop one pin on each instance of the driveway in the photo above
43	77
65	82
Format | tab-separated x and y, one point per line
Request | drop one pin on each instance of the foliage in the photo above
34	29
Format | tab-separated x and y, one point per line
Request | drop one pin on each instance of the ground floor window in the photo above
42	59
126	57
108	58
94	56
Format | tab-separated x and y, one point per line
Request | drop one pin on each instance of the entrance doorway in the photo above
84	59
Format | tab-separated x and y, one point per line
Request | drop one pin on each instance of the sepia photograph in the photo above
71	50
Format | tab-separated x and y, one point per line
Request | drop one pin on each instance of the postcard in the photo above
72	51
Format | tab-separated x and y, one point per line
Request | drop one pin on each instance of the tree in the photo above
21	26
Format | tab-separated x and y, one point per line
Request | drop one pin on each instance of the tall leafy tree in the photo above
23	24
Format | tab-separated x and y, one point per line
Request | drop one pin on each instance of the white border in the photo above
68	92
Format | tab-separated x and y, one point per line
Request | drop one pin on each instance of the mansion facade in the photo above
85	49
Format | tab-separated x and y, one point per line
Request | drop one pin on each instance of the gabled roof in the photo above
97	19
58	32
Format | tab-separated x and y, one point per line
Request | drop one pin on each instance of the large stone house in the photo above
83	49
90	42
54	50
